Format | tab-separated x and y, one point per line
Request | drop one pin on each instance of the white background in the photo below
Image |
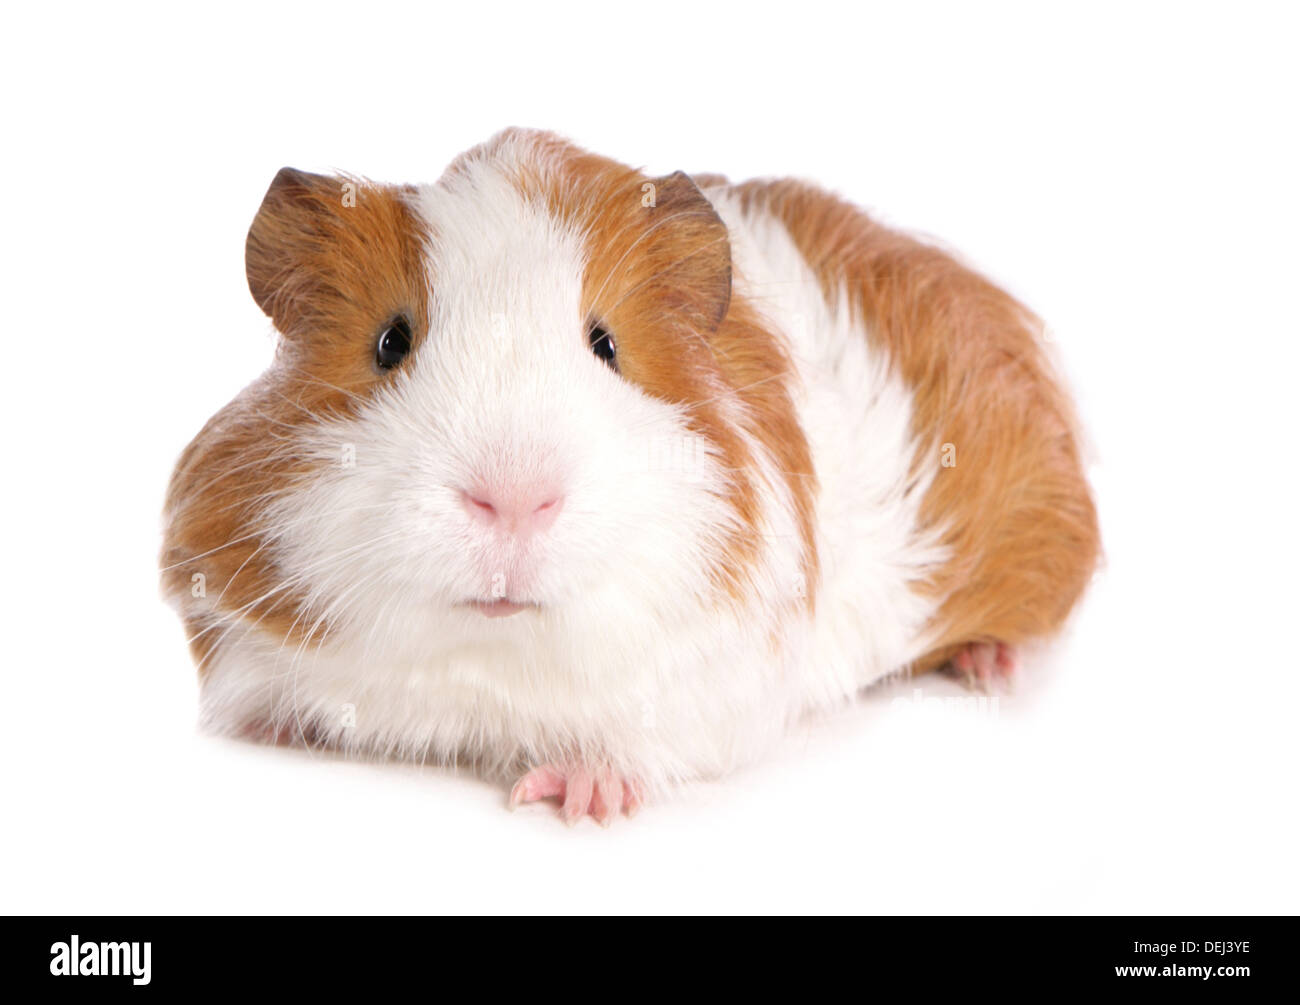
1130	171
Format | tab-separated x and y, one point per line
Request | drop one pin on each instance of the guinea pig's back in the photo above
953	506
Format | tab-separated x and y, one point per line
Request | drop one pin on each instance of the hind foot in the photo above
987	666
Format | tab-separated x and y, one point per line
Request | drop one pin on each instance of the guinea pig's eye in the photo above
602	345
393	345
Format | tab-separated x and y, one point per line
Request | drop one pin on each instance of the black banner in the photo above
314	955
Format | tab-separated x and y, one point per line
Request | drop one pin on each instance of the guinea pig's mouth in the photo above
498	608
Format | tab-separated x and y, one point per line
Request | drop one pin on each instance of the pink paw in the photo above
582	791
986	665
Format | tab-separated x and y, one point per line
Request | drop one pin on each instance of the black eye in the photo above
602	345
393	345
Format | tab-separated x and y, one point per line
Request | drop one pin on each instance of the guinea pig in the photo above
597	482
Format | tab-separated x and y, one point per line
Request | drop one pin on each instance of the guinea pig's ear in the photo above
693	246
294	215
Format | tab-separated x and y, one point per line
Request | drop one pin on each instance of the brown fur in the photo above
1015	509
330	276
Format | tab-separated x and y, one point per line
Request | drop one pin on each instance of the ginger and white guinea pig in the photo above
598	481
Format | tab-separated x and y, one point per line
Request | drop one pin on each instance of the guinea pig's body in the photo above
601	480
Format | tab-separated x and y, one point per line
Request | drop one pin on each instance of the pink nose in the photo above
519	510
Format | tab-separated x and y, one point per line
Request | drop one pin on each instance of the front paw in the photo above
582	791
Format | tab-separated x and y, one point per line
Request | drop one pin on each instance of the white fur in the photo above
629	660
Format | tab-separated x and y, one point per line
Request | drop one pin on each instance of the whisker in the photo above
268	531
311	570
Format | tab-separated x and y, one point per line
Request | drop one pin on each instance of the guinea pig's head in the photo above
520	398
